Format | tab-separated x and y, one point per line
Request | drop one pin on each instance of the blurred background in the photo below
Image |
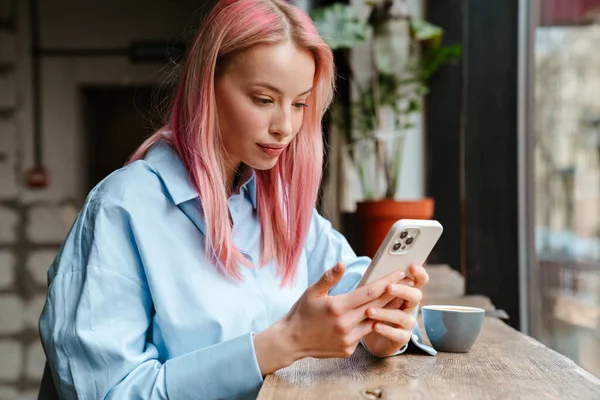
491	125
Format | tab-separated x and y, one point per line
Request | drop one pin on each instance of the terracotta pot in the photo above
375	218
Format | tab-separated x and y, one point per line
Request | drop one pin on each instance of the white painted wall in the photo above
73	24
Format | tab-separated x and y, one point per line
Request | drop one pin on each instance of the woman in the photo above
202	266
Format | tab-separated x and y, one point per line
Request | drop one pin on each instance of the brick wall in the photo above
25	249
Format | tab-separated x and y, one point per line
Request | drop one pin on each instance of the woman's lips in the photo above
271	149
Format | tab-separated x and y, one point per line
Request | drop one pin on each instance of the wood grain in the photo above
503	364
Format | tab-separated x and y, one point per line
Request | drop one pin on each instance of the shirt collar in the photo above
167	163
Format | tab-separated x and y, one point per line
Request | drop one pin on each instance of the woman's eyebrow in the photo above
276	90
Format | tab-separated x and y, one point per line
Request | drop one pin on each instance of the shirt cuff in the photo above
225	370
402	350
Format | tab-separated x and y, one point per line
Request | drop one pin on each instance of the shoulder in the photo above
318	226
318	222
106	223
121	200
135	190
129	186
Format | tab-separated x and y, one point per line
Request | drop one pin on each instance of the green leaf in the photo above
339	26
422	90
424	31
391	46
413	106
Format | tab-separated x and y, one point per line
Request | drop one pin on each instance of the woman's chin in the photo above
263	165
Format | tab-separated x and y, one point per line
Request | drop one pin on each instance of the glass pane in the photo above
567	178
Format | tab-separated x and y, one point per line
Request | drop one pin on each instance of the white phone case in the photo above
395	253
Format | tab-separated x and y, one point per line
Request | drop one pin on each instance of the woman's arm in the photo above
95	328
97	324
320	325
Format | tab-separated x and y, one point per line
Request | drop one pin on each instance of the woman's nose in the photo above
282	124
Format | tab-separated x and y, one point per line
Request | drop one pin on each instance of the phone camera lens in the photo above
403	235
409	240
397	246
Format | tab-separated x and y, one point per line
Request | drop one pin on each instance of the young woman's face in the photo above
261	97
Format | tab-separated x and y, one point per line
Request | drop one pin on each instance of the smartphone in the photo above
408	242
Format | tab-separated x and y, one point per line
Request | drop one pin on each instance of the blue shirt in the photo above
136	310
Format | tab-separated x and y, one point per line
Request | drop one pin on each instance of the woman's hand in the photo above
322	326
394	321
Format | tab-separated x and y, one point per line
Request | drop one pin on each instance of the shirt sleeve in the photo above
96	325
326	247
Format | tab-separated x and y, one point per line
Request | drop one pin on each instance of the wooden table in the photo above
503	364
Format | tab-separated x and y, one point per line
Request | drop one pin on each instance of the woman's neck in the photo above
233	178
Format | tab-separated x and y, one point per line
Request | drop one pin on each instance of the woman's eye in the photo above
261	100
300	105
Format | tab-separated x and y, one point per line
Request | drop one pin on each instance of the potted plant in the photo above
404	53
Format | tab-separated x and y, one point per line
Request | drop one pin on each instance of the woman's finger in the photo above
408	282
362	330
420	275
359	314
387	299
411	296
396	317
367	293
394	304
398	335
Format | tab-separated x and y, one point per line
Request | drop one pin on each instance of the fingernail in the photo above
395	288
379	327
373	313
410	283
337	268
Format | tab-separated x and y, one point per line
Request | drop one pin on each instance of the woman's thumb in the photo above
330	278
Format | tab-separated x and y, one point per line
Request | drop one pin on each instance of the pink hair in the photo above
287	193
